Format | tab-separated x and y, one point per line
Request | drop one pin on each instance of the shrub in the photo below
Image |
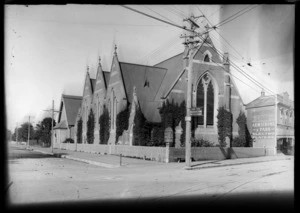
104	121
122	122
239	142
79	130
244	139
224	126
90	127
201	143
68	140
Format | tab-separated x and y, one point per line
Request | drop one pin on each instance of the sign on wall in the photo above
263	124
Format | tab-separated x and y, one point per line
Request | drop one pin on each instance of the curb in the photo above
91	162
232	164
77	159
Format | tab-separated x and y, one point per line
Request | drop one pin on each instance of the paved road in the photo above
35	178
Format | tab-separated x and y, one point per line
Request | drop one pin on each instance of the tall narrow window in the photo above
210	104
205	99
200	100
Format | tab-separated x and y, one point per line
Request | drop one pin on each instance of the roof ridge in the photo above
169	58
143	65
71	96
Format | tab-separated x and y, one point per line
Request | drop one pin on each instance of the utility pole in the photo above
28	131
190	42
52	110
17	133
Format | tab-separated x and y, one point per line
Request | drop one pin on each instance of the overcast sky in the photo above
48	47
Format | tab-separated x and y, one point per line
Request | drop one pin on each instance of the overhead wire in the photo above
211	25
225	22
158	14
243	72
223	37
219	53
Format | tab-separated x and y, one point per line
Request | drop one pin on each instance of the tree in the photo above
224	126
38	132
46	126
122	122
23	132
104	121
90	127
79	130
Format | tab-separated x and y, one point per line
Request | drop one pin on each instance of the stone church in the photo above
212	87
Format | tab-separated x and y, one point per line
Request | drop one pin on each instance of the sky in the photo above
48	47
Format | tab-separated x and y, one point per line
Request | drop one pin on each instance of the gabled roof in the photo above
174	66
71	104
261	101
147	80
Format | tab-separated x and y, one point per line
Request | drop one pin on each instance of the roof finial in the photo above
100	60
87	69
116	49
262	92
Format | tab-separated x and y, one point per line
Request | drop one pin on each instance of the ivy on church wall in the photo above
79	130
224	126
244	138
171	114
122	122
139	131
90	127
104	121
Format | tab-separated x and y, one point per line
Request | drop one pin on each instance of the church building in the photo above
212	88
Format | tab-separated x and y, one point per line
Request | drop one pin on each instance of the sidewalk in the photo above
108	161
114	161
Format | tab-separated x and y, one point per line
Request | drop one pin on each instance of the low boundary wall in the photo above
170	154
219	153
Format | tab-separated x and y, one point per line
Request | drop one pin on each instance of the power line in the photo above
220	24
179	11
158	14
175	25
211	25
174	12
233	15
243	72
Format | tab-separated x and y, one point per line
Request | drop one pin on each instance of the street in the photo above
36	178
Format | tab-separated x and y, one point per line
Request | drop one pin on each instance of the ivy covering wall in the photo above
104	121
171	114
244	139
139	131
90	127
224	126
79	130
122	122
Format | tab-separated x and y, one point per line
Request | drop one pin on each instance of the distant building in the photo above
69	106
212	87
270	121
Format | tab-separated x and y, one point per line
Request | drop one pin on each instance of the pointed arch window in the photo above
205	99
